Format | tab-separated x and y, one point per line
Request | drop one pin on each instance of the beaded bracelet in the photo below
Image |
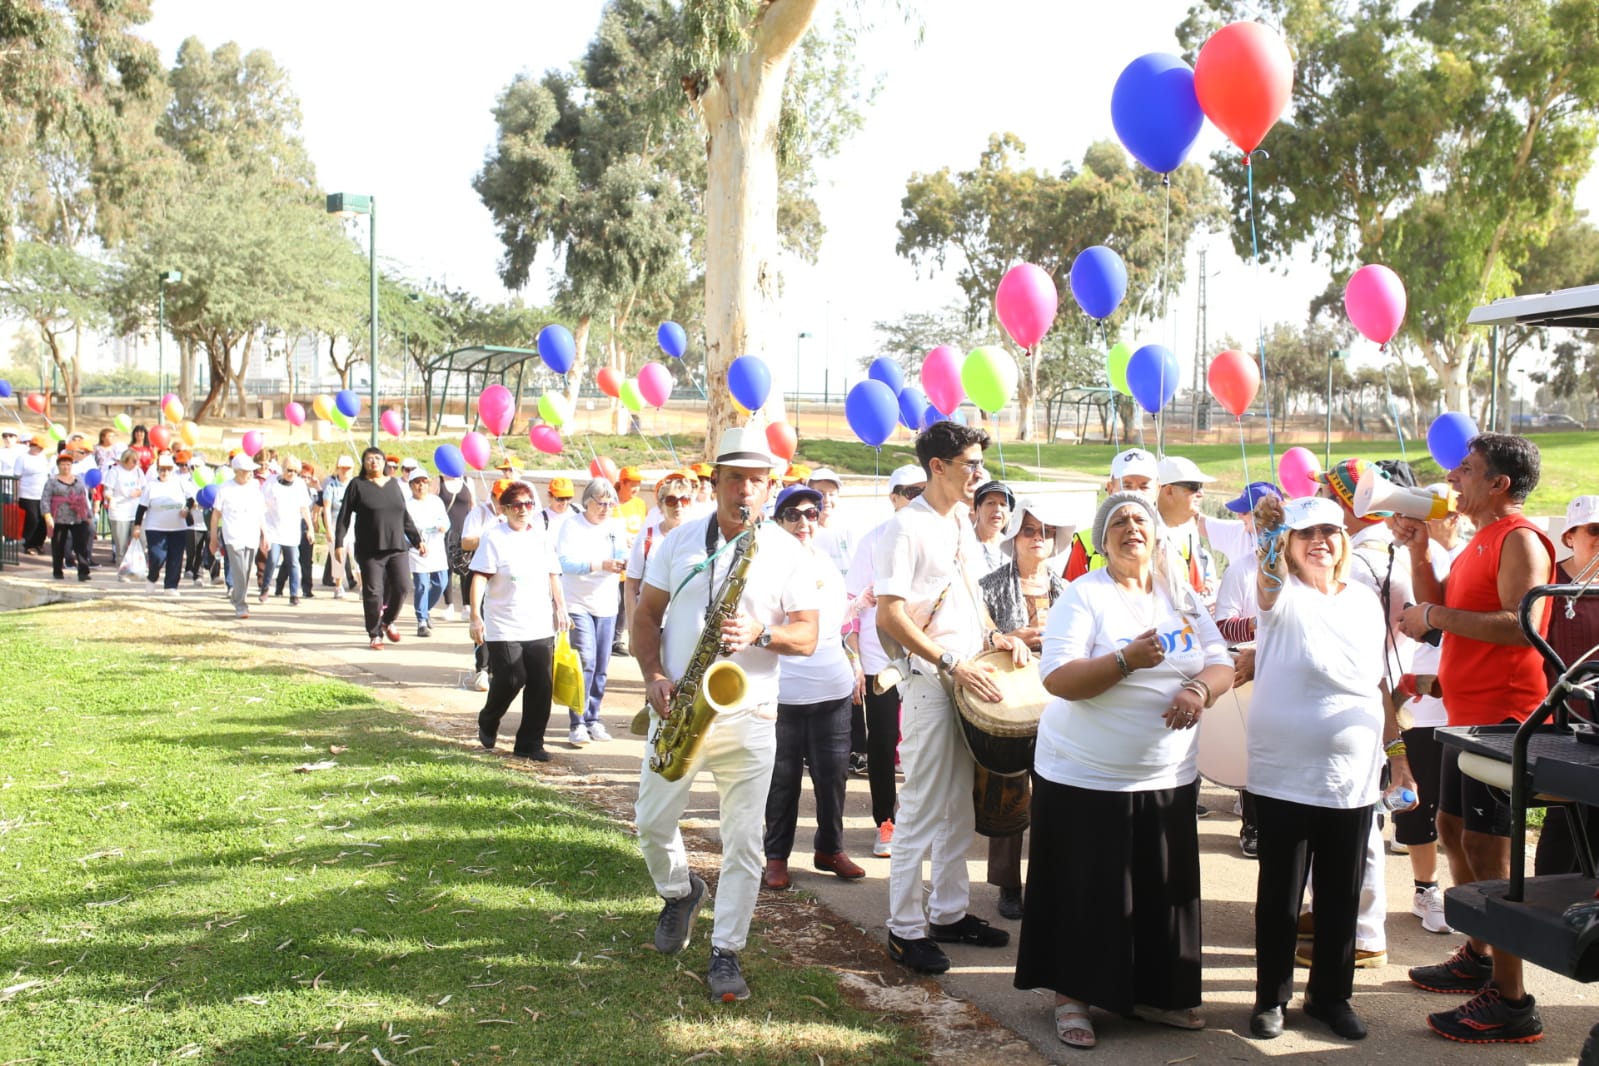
1394	749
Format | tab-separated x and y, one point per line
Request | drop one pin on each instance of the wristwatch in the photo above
946	663
765	639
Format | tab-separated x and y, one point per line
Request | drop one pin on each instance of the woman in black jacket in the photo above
384	531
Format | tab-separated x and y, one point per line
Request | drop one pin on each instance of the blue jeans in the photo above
591	638
276	553
166	549
427	589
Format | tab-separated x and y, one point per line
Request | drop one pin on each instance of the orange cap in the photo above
628	473
502	484
561	488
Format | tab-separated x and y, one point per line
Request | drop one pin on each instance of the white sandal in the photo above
1180	1018
1072	1026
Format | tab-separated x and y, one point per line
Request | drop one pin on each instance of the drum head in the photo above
1021	703
1224	739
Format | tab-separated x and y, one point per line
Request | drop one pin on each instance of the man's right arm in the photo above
645	640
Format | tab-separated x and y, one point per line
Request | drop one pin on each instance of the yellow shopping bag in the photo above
568	676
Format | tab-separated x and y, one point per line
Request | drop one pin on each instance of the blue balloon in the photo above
206	497
888	372
348	401
1099	281
449	461
1152	375
5	389
1155	111
931	415
872	411
557	348
749	380
912	408
672	339
1449	438
91	478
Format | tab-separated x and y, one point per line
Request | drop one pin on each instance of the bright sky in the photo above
396	102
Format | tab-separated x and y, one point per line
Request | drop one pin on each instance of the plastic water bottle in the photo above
1398	799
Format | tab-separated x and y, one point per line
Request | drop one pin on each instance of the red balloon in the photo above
603	467
36	403
781	438
609	381
1243	78
160	437
1234	379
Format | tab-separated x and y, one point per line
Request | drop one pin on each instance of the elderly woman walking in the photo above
1314	755
1132	660
593	550
67	514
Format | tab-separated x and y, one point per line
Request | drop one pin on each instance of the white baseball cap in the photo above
1310	511
904	476
408	463
344	461
1133	462
1175	468
244	462
824	474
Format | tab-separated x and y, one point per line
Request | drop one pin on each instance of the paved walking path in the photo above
426	676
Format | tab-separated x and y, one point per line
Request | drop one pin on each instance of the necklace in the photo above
1144	616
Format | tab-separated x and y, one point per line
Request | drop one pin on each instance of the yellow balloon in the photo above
173	410
189	432
322	405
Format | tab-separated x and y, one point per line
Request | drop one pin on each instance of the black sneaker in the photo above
1338	1016
1010	904
1489	1019
921	955
675	927
1201	811
1249	841
970	930
1464	971
726	979
485	738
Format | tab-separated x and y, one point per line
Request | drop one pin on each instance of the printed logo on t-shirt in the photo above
1169	640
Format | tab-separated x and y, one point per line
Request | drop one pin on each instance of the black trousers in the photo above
78	534
524	666
385	581
882	741
816	734
33	531
1291	836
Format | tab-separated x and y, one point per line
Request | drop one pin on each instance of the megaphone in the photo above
1375	495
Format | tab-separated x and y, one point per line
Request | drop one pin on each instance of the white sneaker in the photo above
172	592
597	731
338	594
149	586
579	735
1428	905
480	681
448	614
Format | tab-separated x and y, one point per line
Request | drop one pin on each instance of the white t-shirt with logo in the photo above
283	503
776	587
163	504
1118	741
517	604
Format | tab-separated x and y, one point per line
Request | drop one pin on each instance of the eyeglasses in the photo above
1037	532
973	466
674	501
1187	486
518	505
910	492
1319	532
603	503
794	514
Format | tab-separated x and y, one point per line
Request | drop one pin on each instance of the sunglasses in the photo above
794	514
910	492
973	466
1319	532
518	505
674	501
1187	486
1591	529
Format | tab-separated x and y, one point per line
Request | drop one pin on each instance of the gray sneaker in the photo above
727	981
675	926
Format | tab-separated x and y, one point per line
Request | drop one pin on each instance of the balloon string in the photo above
1243	450
1038	436
1115	406
1260	321
1000	444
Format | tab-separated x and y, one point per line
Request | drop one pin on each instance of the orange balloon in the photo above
603	467
781	438
323	406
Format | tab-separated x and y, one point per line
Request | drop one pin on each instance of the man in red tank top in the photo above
1488	674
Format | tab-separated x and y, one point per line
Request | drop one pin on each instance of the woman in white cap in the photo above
1018	596
593	549
1315	751
992	505
1132	660
238	518
430	574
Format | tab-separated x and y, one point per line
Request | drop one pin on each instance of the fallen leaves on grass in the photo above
312	767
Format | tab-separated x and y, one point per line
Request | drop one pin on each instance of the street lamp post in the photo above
797	338
405	369
347	203
1326	450
162	280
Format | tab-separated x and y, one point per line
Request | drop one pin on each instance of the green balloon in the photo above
631	398
201	476
989	377
58	431
123	423
552	408
1116	367
338	418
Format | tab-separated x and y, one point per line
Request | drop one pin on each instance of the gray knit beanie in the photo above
1115	502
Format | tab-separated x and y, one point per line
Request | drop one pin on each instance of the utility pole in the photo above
1201	412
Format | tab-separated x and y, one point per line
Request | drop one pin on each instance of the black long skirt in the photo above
1112	904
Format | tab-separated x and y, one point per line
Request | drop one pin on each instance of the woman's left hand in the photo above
1184	710
1020	655
563	621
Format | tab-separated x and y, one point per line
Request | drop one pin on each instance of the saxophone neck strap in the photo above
712	553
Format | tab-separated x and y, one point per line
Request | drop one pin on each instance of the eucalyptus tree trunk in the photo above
740	104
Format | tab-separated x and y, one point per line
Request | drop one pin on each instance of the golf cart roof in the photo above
1573	308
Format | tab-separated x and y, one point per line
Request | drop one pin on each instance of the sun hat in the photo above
1253	493
906	476
1048	510
1175	468
1579	512
1116	501
1134	462
744	447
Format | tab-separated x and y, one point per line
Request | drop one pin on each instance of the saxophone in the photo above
707	687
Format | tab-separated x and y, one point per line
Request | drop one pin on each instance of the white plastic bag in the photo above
133	561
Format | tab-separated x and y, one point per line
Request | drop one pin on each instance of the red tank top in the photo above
1483	683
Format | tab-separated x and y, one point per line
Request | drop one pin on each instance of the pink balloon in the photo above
390	421
1297	471
546	439
654	384
496	407
941	378
475	450
1026	301
294	414
253	441
169	399
1375	300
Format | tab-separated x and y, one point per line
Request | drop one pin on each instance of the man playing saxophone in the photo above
775	614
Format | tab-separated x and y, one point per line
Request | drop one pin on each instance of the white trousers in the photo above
935	816
738	752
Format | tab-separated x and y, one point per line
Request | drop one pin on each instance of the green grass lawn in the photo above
174	890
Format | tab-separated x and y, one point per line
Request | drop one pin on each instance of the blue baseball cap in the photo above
796	494
1253	494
